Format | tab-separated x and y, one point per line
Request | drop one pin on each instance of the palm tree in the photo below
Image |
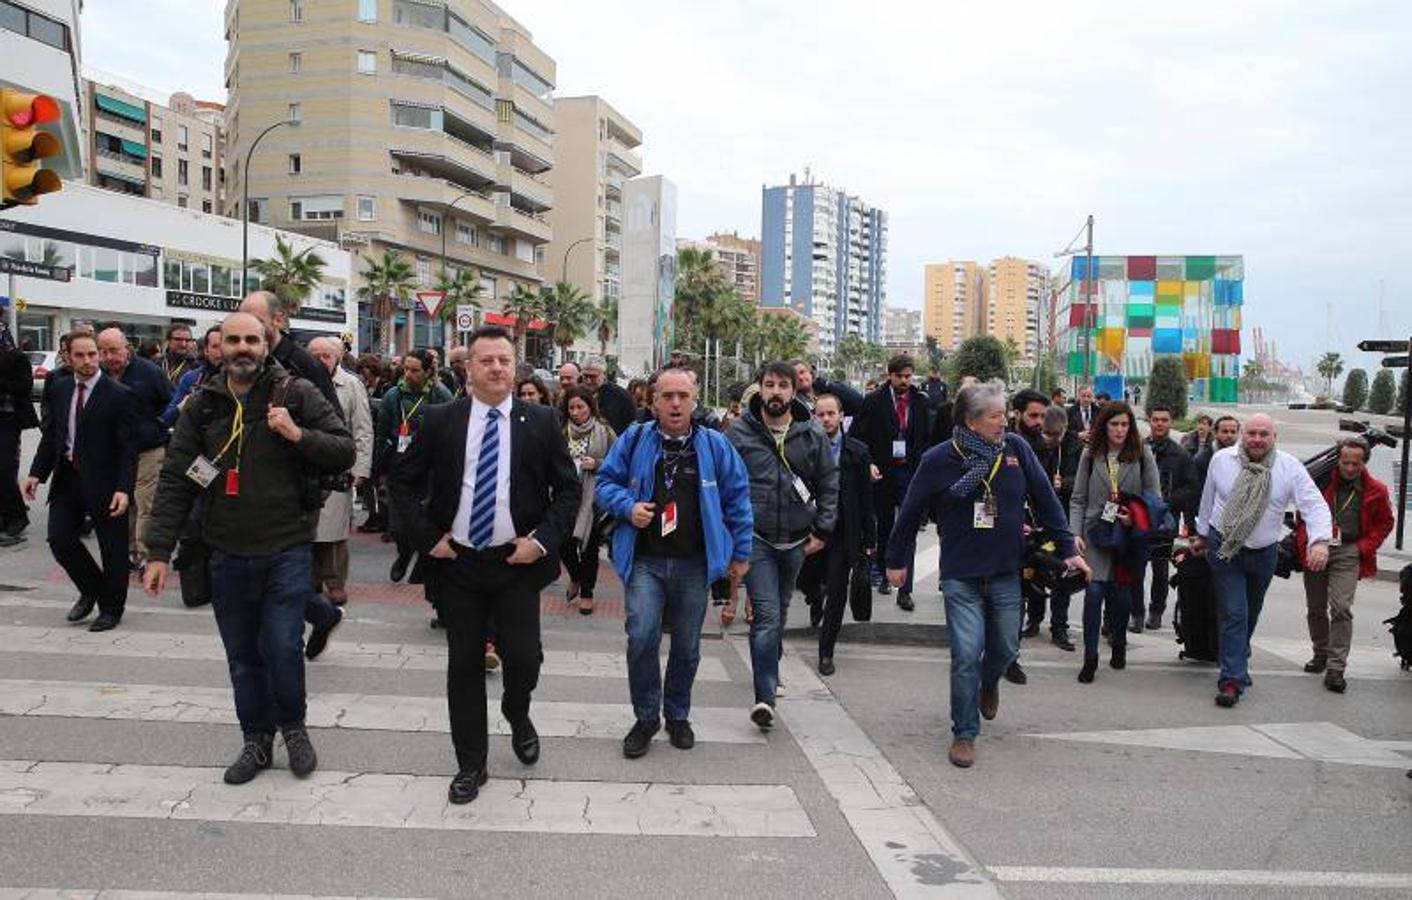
52	255
461	289
290	276
1330	366
385	283
606	317
569	312
699	285
524	304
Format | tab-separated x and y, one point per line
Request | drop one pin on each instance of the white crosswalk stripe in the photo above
20	893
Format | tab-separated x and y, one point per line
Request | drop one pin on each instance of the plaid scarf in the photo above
978	455
1247	502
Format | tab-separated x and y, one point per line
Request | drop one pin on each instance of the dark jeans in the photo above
1058	608
468	591
13	514
770	582
259	603
837	569
1161	572
1240	585
581	562
887	496
67	510
656	583
1117	598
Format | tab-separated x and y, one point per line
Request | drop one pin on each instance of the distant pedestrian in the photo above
151	393
16	417
589	439
1181	491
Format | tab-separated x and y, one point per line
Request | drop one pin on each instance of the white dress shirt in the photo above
503	531
88	385
1289	483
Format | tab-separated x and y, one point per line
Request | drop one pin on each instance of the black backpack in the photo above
1400	625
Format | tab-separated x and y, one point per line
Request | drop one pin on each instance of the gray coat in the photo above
781	516
1091	490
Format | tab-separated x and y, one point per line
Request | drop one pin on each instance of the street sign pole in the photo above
12	314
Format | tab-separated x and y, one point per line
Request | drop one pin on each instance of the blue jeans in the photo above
1240	585
770	582
1118	598
983	619
259	605
657	582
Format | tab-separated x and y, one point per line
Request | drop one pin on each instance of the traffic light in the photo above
23	145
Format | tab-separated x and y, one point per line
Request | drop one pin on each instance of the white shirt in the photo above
1289	483
88	385
503	531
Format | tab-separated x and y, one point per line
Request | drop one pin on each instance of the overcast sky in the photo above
1272	129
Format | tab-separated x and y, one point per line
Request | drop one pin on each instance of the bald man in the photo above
1248	488
152	391
274	315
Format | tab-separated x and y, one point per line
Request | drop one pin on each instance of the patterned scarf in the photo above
1246	503
978	455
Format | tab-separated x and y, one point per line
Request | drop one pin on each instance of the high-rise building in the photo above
902	327
739	261
1014	290
173	152
421	127
952	296
595	152
645	327
824	254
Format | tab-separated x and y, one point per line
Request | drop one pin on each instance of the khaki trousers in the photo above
1329	595
149	467
331	570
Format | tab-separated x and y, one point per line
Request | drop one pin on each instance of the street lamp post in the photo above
446	225
245	206
564	275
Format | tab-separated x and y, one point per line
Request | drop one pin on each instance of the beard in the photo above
776	406
242	366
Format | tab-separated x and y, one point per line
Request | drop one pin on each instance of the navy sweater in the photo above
153	391
969	552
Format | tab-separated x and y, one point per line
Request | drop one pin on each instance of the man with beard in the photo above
1059	454
1224	433
1028	406
193	378
243	444
179	355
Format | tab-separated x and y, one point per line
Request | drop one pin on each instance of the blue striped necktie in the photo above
487	469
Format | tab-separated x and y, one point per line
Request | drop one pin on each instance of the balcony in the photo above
445	156
534	195
614	240
121	166
613	184
435	192
523	223
528	152
118	127
613	211
623	159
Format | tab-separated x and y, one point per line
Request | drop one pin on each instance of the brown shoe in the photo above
990	702
962	754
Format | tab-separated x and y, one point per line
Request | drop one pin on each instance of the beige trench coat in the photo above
337	514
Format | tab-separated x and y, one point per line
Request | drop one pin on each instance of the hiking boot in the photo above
962	754
639	739
254	756
318	638
1227	695
1334	681
302	759
904	601
826	666
681	735
1317	664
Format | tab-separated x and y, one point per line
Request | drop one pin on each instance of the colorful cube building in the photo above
1141	308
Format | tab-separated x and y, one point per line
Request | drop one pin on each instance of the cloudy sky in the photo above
1267	128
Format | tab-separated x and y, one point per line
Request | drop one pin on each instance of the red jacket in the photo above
1375	522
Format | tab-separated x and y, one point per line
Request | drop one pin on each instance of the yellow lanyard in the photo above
237	433
1352	494
1112	475
779	446
181	366
408	414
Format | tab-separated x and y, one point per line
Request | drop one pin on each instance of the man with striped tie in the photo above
503	494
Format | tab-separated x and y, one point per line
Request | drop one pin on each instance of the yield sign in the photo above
430	301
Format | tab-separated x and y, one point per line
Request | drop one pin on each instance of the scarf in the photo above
978	455
589	439
1246	503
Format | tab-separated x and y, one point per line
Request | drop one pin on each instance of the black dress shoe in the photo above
1061	640
318	638
904	601
466	786
1313	667
1030	630
826	665
1015	673
524	740
681	735
81	608
816	614
639	738
399	568
105	622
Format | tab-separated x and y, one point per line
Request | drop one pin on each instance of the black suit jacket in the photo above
106	443
876	426
544	486
1076	421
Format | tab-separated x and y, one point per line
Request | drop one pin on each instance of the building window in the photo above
416	116
366	209
181	200
256	212
367	10
34	25
156	167
296	112
296	164
207	146
423	270
296	210
296	61
296	10
367	62
156	131
429	222
206	206
181	172
182	138
495	243
205	178
465	233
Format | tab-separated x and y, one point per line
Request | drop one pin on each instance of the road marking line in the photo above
410	657
371	712
911	850
1360	659
21	893
1213	877
387	800
201	614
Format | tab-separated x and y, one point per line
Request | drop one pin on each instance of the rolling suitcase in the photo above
1197	621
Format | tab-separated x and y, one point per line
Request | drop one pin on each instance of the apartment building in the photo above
595	152
415	127
737	260
952	297
173	152
902	327
1014	290
824	254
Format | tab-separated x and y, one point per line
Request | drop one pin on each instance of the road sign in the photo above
465	317
34	269
1382	346
1395	362
430	302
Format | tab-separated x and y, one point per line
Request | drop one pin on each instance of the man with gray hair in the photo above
614	403
1248	488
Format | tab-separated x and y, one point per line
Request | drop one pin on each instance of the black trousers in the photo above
107	584
581	562
887	496
837	571
13	513
1161	572
467	592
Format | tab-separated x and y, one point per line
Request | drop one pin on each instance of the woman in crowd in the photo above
1115	464
589	439
531	389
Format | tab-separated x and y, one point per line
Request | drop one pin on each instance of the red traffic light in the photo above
26	110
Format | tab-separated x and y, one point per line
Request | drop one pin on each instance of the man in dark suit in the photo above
1082	413
894	424
88	444
502	498
16	416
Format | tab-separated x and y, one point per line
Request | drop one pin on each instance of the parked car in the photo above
43	362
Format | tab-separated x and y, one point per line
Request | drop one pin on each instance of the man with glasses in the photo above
615	404
180	354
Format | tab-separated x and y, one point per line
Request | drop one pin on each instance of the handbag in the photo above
860	592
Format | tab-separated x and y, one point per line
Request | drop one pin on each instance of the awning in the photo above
119	108
123	176
510	321
133	148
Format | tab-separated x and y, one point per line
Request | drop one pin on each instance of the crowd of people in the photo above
240	462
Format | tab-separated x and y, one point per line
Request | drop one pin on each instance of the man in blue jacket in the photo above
681	499
151	391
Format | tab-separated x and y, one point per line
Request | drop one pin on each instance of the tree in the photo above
1252	378
1330	366
1167	385
1383	395
386	283
935	356
524	305
606	323
699	286
461	289
1355	389
290	276
777	337
569	312
851	353
982	356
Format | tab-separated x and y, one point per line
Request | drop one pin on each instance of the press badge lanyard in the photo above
1110	509
1337	539
671	460
404	431
983	516
800	488
204	471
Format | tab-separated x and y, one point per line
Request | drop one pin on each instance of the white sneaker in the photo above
763	715
779	687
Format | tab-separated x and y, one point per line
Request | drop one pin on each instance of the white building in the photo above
649	273
39	53
144	264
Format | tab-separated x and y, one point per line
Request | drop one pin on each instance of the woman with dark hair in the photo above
1115	463
531	389
589	439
